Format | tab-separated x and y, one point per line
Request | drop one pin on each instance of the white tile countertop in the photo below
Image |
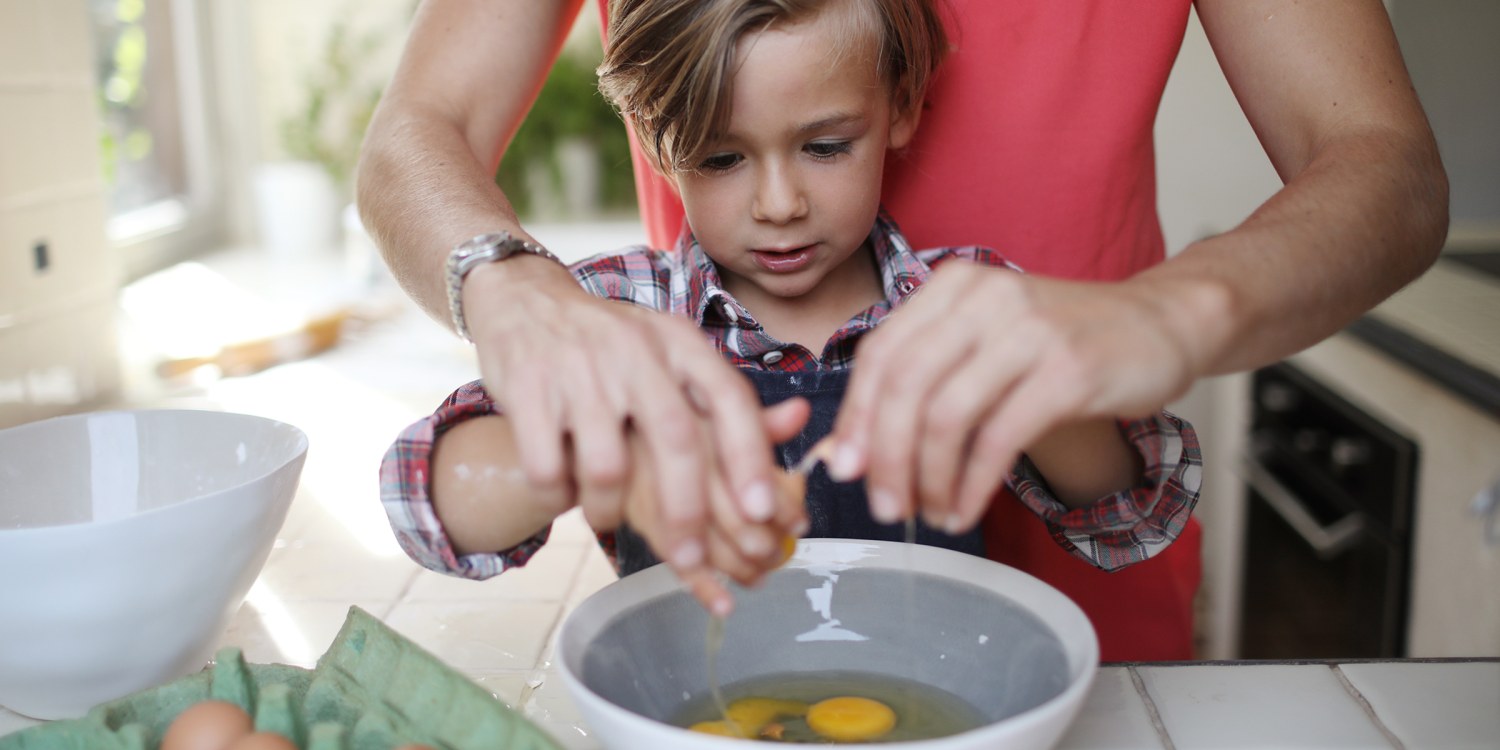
336	550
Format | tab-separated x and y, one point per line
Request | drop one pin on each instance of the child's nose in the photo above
778	197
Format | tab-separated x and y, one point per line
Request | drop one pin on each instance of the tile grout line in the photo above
411	582
1151	712
528	689
1369	710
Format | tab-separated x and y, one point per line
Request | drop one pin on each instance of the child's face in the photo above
786	198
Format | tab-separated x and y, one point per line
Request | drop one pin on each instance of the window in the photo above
166	201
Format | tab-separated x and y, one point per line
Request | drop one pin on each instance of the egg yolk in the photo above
721	728
753	713
851	719
746	717
788	548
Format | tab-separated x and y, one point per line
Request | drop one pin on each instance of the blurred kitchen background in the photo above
175	228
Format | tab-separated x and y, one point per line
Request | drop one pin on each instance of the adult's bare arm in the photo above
574	373
470	71
1363	211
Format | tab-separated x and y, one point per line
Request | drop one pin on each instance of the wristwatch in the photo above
486	248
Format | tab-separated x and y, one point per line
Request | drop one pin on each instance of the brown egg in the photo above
794	484
207	725
263	741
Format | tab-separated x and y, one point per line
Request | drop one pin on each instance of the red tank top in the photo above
1037	140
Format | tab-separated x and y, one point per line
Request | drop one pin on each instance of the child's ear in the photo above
904	126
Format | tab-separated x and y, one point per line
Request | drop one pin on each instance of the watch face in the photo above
486	242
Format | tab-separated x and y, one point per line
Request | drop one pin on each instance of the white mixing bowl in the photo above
1012	647
127	540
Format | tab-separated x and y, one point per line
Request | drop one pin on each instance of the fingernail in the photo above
884	507
756	543
758	501
800	527
688	554
953	525
845	462
722	606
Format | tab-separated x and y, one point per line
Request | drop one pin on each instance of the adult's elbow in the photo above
370	169
1429	198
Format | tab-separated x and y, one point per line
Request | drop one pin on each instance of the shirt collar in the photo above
902	275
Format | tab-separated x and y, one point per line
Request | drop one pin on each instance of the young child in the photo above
773	118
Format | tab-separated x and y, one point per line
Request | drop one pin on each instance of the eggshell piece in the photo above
263	741
207	725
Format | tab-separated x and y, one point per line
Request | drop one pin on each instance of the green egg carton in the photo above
372	690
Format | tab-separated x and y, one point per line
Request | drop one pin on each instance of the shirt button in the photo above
905	286
771	357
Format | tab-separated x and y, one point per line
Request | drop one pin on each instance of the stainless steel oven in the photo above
1328	533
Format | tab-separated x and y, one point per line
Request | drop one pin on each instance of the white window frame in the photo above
155	236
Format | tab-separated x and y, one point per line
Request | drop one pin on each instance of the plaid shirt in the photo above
1113	532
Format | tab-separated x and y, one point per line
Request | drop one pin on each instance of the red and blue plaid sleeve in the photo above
1132	525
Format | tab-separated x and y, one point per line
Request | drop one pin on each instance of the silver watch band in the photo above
485	248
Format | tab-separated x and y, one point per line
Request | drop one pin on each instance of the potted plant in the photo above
299	200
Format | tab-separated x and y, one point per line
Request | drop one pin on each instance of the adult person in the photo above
1036	141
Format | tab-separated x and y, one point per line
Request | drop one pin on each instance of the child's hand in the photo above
737	547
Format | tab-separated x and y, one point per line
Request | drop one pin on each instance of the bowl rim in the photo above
298	453
659	580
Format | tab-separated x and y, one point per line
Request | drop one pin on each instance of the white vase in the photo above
296	209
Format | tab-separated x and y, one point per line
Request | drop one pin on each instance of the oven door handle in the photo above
1328	541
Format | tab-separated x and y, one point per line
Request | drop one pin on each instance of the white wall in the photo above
57	332
1452	49
1212	173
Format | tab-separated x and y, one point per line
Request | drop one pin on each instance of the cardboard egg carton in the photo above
372	690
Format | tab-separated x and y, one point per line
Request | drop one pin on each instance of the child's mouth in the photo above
784	261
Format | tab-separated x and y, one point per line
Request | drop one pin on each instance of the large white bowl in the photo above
127	540
1014	648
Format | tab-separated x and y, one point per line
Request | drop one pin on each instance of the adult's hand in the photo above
577	376
727	542
983	361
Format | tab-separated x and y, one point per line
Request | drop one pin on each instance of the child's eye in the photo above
719	162
828	149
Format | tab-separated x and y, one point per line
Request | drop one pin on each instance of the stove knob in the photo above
1278	398
1348	452
1309	441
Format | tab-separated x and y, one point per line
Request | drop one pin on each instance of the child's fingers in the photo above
784	421
726	558
706	587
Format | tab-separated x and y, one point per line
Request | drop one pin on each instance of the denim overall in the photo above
833	510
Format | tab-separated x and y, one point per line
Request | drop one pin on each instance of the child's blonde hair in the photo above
668	65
